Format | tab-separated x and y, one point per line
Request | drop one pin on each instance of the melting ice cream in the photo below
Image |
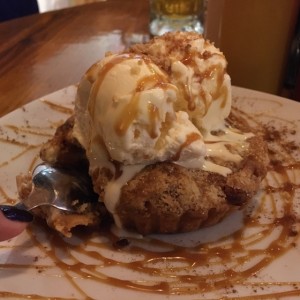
160	101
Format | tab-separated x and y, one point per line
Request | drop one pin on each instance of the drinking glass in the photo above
176	15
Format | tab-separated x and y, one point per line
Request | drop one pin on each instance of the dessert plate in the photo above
254	253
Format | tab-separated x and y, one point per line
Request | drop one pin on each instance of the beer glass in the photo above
173	15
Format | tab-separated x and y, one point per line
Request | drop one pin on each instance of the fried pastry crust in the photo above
64	149
168	198
165	197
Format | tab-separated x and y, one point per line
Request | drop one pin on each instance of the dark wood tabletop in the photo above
42	53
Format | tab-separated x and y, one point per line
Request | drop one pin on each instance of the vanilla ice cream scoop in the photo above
158	101
144	105
130	109
198	69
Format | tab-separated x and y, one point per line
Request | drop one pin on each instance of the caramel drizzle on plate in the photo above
223	266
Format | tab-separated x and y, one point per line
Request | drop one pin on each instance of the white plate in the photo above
236	258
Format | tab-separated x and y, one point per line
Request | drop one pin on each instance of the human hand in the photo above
13	221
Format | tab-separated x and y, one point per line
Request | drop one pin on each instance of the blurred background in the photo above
260	38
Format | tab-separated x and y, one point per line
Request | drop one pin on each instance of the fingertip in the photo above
9	228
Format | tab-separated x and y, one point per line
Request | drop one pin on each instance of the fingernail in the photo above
15	214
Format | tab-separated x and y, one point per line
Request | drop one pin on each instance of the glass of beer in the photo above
173	15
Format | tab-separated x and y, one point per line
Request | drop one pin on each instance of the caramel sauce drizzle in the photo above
130	111
214	70
153	113
100	77
222	266
20	154
7	295
192	137
58	107
127	116
24	130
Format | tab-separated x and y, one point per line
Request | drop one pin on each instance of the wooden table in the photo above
43	53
